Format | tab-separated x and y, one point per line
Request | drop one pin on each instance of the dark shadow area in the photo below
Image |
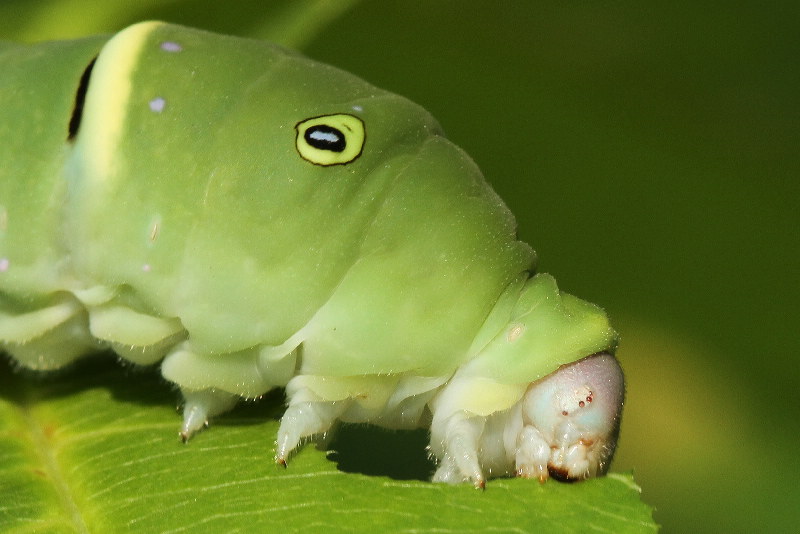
127	383
375	451
363	449
134	384
253	411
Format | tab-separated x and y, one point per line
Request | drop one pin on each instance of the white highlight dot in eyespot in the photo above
157	105
171	46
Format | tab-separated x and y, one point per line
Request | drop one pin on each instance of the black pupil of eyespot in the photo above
325	137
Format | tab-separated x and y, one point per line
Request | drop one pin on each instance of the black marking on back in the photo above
80	99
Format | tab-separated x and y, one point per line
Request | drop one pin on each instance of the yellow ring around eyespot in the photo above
350	127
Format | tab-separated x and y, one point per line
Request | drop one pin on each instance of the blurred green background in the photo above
650	155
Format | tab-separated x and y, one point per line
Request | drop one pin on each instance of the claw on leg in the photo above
533	453
460	443
304	420
200	405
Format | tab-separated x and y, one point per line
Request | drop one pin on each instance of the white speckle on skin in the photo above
154	231
146	268
171	46
357	108
157	105
4	264
515	332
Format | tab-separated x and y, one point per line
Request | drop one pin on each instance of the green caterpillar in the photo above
253	219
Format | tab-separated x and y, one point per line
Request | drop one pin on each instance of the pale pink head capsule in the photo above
571	420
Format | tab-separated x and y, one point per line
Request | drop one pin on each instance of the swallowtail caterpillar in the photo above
251	219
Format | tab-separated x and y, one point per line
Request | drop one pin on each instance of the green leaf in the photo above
95	449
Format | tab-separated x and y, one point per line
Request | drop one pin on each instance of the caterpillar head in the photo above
542	397
570	420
